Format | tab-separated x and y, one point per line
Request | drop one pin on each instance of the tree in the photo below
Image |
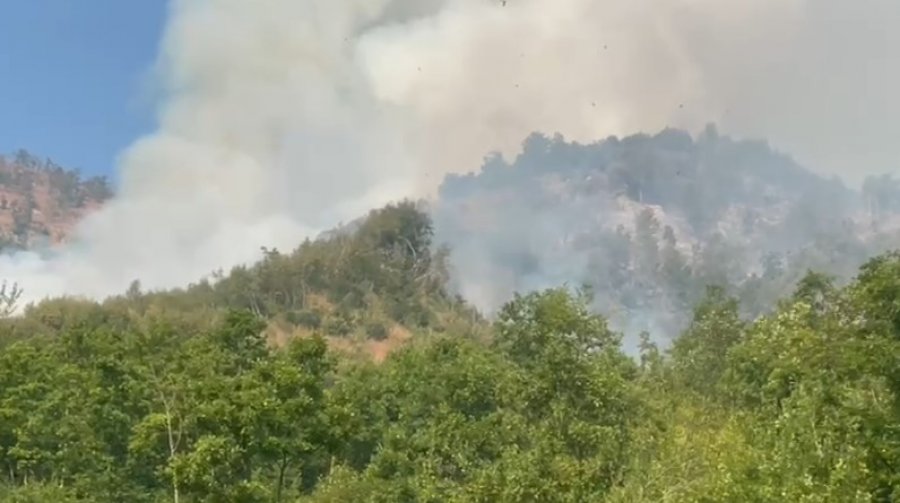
571	367
646	237
542	414
675	271
425	423
9	298
877	291
699	355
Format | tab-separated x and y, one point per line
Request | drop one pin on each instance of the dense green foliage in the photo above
186	395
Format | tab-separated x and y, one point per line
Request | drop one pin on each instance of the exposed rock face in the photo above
41	202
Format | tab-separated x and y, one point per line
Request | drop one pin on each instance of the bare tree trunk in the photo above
173	447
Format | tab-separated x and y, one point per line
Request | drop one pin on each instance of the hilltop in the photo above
41	202
648	221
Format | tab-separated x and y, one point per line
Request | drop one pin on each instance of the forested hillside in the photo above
264	385
648	221
645	221
471	348
41	202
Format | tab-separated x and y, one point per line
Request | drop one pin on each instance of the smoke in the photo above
815	77
279	118
267	133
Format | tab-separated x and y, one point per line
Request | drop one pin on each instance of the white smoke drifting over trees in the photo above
279	118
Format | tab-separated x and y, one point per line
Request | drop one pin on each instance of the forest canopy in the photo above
346	370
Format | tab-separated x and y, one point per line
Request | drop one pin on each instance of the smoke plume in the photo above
279	118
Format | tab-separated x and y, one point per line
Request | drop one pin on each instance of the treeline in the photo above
22	170
351	283
186	396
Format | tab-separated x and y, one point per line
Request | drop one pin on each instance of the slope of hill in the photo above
646	222
649	221
41	202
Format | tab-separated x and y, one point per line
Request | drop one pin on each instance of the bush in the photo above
376	330
339	325
309	318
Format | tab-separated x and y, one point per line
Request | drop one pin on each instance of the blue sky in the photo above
73	77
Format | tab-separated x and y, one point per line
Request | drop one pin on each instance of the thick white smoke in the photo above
814	76
267	133
279	118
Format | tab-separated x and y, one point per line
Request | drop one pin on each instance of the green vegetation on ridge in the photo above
186	396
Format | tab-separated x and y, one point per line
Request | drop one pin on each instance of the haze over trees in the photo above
350	368
648	221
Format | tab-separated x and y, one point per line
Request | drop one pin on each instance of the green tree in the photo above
574	395
699	355
423	423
